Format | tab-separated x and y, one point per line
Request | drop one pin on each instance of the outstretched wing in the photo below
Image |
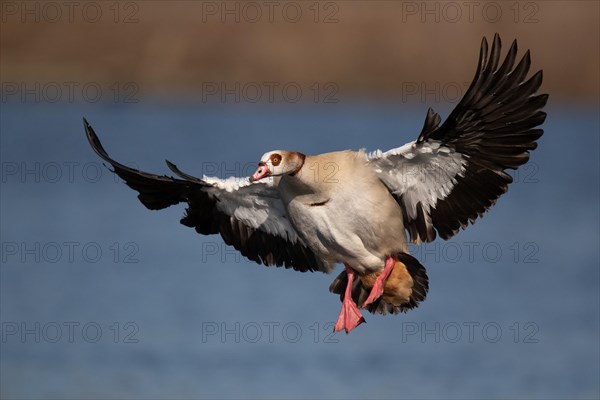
249	216
454	172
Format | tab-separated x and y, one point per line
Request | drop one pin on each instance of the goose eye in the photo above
275	160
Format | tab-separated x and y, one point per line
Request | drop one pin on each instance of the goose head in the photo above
277	163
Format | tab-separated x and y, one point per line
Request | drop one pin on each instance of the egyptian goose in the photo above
357	208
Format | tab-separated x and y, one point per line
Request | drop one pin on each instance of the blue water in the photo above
101	298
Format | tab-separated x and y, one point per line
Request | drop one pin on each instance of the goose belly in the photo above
360	232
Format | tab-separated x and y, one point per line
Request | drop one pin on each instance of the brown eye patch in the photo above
275	159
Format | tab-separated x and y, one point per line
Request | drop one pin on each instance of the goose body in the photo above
310	212
343	212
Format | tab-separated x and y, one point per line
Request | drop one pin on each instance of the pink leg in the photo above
350	317
377	290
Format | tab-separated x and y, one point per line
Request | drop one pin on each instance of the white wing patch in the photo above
230	184
234	183
419	172
256	205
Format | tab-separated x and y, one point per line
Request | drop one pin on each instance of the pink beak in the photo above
261	172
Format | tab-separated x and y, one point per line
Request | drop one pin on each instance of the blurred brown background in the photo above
367	48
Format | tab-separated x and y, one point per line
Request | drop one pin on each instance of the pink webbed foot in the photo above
377	289
350	316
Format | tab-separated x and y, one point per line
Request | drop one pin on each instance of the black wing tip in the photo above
92	137
543	99
485	52
496	49
483	55
95	142
88	128
176	170
432	121
527	58
497	41
171	166
183	175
